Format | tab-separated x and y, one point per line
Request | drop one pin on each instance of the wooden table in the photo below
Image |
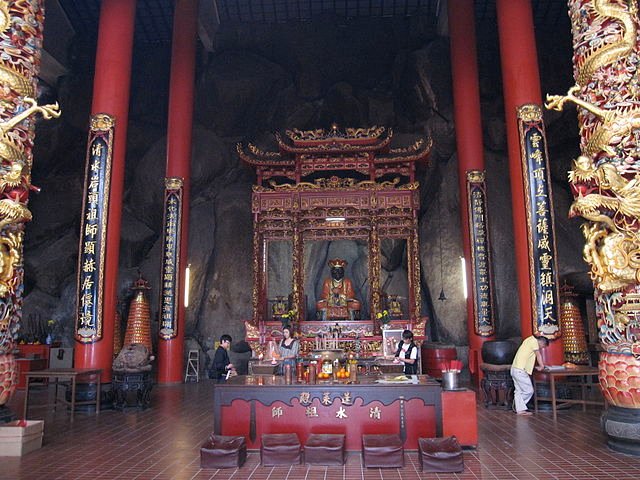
583	380
65	374
26	365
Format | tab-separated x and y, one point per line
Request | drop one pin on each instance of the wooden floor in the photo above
163	443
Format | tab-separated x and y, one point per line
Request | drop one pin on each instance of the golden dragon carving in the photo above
613	241
48	112
614	258
601	55
5	16
615	194
10	150
613	244
10	259
604	195
615	123
12	175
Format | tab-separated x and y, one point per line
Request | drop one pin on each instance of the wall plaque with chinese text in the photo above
540	226
481	277
93	232
171	232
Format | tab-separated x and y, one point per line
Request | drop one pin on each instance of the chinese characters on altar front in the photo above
325	400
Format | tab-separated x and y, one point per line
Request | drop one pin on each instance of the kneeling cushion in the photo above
382	451
324	449
440	455
223	452
280	449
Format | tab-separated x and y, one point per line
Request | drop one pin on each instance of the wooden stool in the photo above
324	449
382	451
440	455
280	449
223	452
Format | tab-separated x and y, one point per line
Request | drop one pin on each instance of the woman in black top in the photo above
407	353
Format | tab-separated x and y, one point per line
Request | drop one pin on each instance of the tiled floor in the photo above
163	443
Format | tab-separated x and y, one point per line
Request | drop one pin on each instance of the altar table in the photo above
255	404
582	379
57	375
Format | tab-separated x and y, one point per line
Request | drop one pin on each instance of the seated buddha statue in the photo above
337	300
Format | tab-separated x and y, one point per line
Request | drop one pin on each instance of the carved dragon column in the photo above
606	188
21	25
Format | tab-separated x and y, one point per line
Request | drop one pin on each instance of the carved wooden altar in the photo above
331	185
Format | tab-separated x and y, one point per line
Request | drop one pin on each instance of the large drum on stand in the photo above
499	352
434	356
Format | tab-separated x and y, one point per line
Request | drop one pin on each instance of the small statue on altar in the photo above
337	300
279	307
393	306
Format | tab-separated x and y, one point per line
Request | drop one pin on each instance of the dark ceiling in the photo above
279	11
154	17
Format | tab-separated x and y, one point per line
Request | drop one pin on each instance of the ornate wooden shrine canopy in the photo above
360	150
335	185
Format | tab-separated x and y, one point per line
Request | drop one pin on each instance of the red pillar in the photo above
181	94
521	84
466	96
111	87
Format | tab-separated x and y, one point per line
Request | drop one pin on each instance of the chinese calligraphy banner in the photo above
482	284
93	232
542	250
171	257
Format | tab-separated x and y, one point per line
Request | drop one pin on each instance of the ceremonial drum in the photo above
434	355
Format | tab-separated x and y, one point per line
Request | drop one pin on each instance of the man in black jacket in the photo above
221	363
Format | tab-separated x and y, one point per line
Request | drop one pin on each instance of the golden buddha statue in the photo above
337	300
